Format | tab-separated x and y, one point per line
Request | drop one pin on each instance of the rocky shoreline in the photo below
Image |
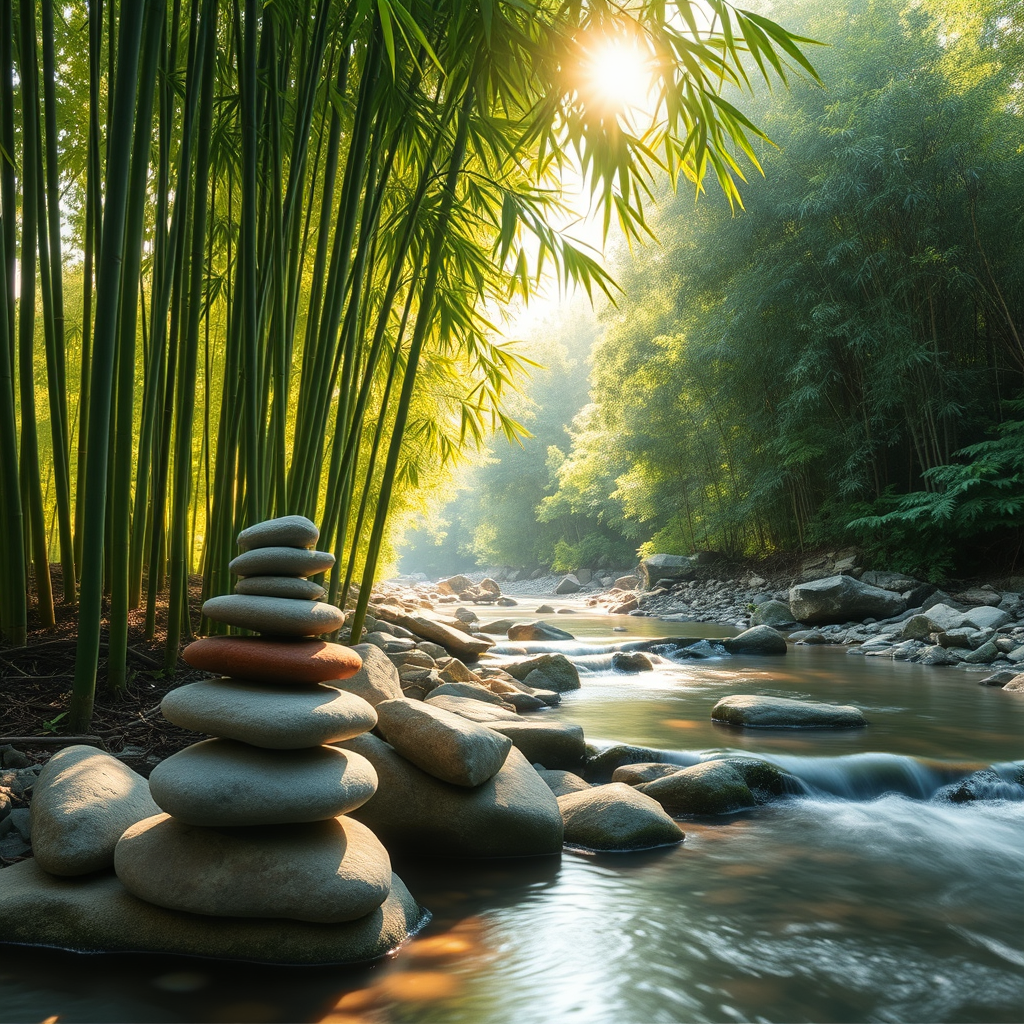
878	614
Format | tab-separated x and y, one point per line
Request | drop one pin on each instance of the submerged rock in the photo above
615	817
758	712
712	787
538	630
756	640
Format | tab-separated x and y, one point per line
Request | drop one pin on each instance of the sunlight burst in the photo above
618	74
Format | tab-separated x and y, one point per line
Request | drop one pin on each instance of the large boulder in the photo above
666	567
377	679
513	814
711	787
616	817
756	640
772	613
328	871
558	672
538	630
842	599
753	711
568	585
82	802
98	914
986	617
552	744
442	743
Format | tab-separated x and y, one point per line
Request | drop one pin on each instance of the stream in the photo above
868	897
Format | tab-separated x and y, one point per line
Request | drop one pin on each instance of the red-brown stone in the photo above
273	661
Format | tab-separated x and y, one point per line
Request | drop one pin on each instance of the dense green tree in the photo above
772	374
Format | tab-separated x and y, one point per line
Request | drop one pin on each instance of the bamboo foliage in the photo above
288	220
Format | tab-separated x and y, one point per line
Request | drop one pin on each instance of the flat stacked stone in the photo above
254	820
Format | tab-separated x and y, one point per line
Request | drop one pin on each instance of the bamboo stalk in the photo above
104	341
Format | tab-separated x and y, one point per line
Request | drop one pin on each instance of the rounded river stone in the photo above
285	531
281	616
327	871
273	661
280	586
223	782
759	712
279	561
81	803
443	744
614	817
282	717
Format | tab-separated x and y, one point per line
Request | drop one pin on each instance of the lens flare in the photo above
617	74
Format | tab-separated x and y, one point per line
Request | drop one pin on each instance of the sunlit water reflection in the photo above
864	901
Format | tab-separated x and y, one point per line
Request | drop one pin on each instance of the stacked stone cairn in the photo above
255	821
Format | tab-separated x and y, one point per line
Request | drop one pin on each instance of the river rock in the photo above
280	616
327	871
285	531
552	744
273	661
626	583
442	743
616	817
711	787
377	679
278	561
471	691
282	717
1015	685
561	782
471	709
526	701
945	617
1000	678
918	627
538	630
223	782
513	814
632	662
752	711
667	567
756	640
559	673
986	617
983	655
498	627
568	585
842	599
97	914
772	613
602	763
454	641
639	774
280	586
82	801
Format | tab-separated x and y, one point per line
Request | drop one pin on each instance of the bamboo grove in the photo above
250	250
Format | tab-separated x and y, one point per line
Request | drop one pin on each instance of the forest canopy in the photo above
841	361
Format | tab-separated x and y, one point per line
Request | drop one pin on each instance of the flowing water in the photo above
866	898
